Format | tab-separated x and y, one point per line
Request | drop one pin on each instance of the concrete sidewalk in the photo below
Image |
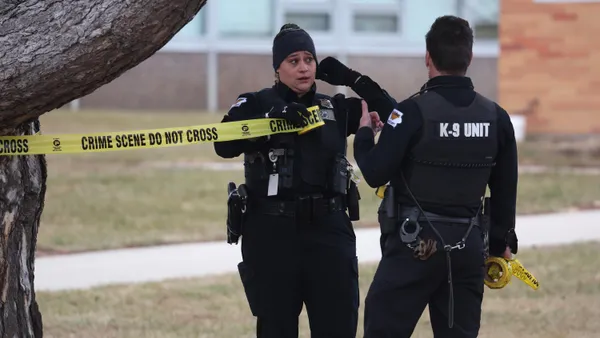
138	265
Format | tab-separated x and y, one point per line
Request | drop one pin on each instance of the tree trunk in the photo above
23	180
52	53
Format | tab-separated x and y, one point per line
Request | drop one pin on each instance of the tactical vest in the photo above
452	161
308	163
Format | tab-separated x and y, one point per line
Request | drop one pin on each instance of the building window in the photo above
417	18
310	21
483	17
375	23
486	30
193	29
244	18
376	2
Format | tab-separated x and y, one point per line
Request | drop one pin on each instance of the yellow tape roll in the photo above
153	138
500	270
380	191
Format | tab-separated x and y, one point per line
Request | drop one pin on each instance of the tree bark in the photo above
54	51
23	180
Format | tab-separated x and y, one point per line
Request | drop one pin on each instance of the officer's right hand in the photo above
293	112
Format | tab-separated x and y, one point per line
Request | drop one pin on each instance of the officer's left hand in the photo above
376	121
370	119
332	71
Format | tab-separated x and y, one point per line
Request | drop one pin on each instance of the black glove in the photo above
293	112
332	71
512	241
497	246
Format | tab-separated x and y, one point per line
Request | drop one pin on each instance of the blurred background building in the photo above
226	50
548	69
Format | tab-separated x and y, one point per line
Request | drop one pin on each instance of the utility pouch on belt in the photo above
340	175
286	169
352	200
236	207
388	212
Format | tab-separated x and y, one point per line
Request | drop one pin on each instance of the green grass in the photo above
152	196
132	208
566	305
136	207
542	193
580	150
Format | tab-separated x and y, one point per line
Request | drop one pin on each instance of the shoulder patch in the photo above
239	102
395	118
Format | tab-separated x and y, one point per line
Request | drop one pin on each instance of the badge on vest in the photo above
325	103
395	118
327	110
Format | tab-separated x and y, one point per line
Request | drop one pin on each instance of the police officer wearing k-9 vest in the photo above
297	240
438	152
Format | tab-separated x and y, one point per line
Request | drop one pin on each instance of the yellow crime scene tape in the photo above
380	191
154	138
499	270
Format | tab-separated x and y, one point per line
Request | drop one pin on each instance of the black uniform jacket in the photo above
381	163
247	107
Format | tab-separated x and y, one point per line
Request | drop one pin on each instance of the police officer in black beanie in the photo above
298	243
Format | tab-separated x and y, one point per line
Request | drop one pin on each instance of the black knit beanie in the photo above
291	39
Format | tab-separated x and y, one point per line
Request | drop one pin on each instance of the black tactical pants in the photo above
403	286
287	263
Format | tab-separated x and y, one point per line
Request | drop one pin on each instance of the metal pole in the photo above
212	62
75	105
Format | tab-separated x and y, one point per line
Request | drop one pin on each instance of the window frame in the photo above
476	20
203	28
307	7
220	35
375	9
340	40
364	42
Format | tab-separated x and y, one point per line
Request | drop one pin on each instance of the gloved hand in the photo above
504	247
332	71
293	112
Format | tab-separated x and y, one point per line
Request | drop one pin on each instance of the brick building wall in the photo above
177	81
549	65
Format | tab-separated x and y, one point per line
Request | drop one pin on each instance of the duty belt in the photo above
406	212
302	207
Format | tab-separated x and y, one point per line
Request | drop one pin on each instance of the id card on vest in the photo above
273	185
